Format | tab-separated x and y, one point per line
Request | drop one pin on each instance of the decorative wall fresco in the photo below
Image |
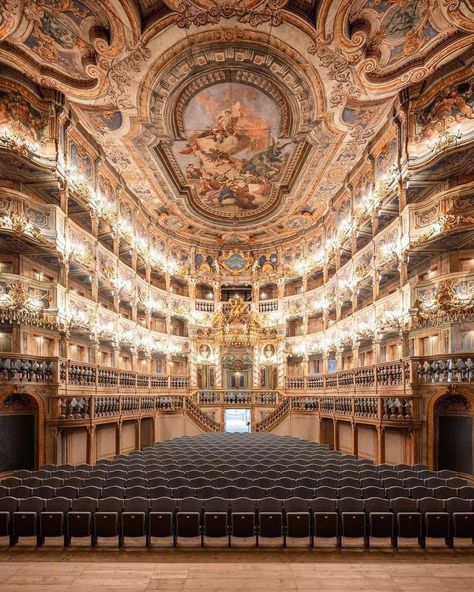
233	157
18	113
59	32
399	29
452	105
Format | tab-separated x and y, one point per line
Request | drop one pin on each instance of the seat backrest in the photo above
329	492
435	482
466	492
350	504
392	482
279	492
368	492
394	492
67	491
430	504
270	504
303	492
242	504
58	504
32	482
136	504
354	492
163	504
99	482
420	492
45	492
84	504
53	482
182	492
445	492
323	504
328	482
403	504
376	504
189	504
110	504
231	492
31	504
21	491
74	482
113	482
136	492
456	504
8	504
90	491
296	504
216	504
158	492
113	492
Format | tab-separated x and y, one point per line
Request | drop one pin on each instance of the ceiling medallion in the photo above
235	262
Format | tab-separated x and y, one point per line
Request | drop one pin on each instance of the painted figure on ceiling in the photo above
19	114
232	157
451	105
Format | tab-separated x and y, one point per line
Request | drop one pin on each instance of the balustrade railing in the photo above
445	369
374	407
202	418
268	306
26	368
237	397
274	417
441	369
204	306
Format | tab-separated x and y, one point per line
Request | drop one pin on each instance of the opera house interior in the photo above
236	294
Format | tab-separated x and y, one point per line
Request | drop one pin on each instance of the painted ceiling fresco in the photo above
235	122
233	156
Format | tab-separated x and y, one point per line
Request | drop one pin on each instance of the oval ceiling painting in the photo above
233	158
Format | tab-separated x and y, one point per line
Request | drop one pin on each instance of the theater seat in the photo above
216	521
107	519
26	518
161	521
243	524
53	519
298	521
325	520
80	519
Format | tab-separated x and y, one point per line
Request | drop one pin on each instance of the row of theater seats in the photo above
231	492
225	487
271	521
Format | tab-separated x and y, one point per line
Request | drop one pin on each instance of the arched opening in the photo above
20	429
454	438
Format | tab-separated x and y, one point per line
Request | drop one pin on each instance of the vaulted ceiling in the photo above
237	121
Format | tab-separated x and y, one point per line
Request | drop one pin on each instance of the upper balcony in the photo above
403	376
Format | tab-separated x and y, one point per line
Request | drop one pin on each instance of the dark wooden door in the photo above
17	438
455	443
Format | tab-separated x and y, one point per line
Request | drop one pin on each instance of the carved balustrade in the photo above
445	369
274	417
237	397
201	417
267	306
27	368
371	407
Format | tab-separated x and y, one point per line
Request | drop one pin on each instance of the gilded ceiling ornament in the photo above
192	12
